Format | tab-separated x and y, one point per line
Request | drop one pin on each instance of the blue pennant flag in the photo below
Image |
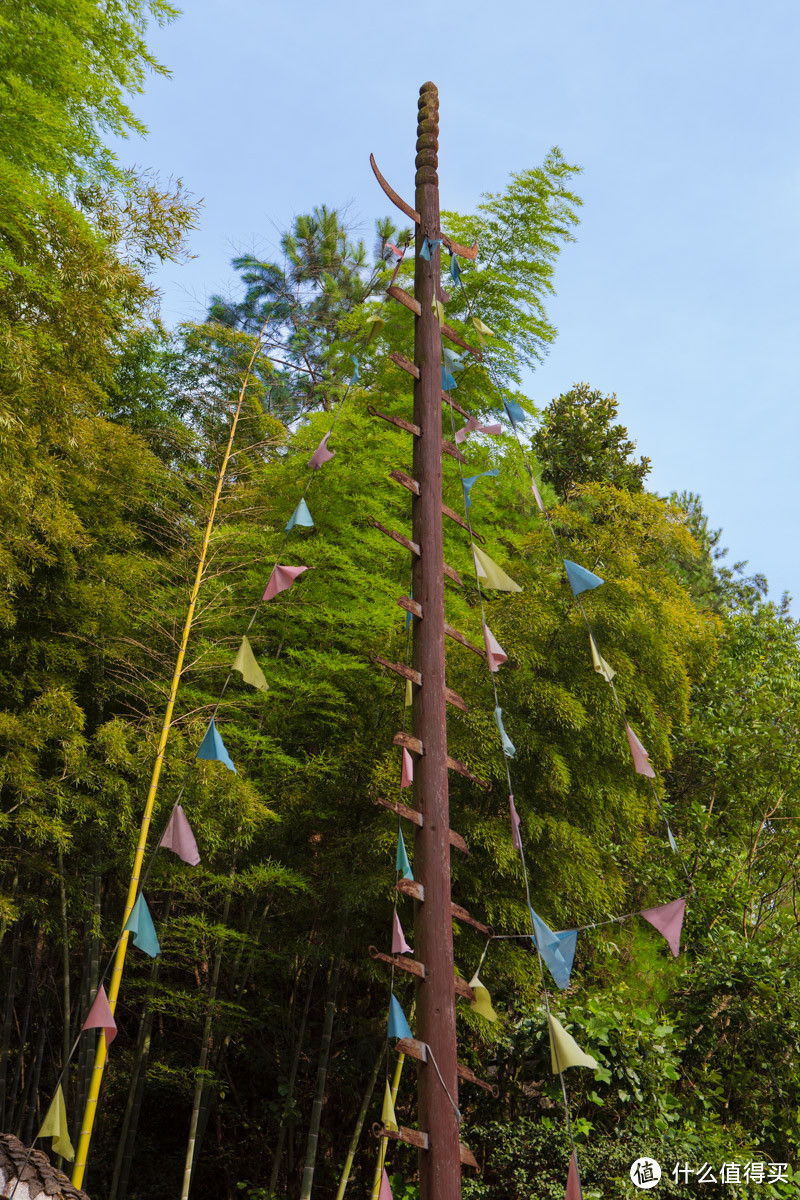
509	749
140	923
516	413
300	516
448	382
356	370
429	247
470	480
580	579
408	614
213	747
401	862
557	949
398	1025
455	270
454	362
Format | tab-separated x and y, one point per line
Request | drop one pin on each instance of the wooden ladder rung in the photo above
412	1137
455	765
404	364
410	965
402	297
396	537
410	887
409	742
469	1076
453	451
458	636
463	916
405	480
467	1157
412	606
463	989
411	814
400	422
416	677
452	336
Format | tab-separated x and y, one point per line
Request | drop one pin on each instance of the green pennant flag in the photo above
245	663
55	1126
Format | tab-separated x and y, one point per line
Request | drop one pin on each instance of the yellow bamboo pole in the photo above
90	1110
376	1182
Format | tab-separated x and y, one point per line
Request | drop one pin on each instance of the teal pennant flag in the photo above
580	579
213	747
453	360
356	370
300	516
455	269
429	247
509	749
448	381
516	413
140	924
557	949
401	862
472	479
398	1025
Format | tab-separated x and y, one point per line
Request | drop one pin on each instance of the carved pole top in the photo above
427	160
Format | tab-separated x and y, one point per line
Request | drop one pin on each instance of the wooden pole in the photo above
440	1165
90	1110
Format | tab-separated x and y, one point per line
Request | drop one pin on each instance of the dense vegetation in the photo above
111	430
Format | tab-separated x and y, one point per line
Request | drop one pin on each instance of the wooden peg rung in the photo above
405	480
463	916
467	1157
410	887
400	669
453	451
470	252
453	574
455	765
469	1076
410	965
402	297
454	699
458	636
448	400
412	606
449	512
452	336
409	742
413	1048
405	364
412	1137
411	814
400	422
463	989
396	537
403	205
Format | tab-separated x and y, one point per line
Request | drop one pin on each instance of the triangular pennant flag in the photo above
448	383
140	924
55	1126
474	426
300	516
398	1025
212	747
386	1188
438	308
356	372
672	841
641	759
387	1113
482	1004
401	862
493	575
509	749
101	1017
429	247
245	663
406	770
408	614
668	920
376	324
495	654
557	949
322	454
536	495
516	840
455	270
399	943
409	695
280	580
454	362
470	480
178	838
573	1191
516	413
565	1051
599	663
483	331
580	579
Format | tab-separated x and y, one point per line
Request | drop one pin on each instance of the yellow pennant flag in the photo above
409	695
599	663
569	1052
245	662
55	1126
482	1004
491	574
376	324
387	1115
483	331
438	308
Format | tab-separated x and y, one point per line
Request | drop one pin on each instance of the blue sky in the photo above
681	293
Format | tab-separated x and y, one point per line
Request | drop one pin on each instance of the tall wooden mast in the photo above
440	1168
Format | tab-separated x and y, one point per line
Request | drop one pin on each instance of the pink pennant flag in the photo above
495	654
101	1017
641	759
535	491
573	1191
280	580
516	840
399	943
322	454
386	1188
178	838
668	920
407	772
474	426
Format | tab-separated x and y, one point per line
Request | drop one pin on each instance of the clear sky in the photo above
681	293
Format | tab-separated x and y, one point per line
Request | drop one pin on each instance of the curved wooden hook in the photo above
392	194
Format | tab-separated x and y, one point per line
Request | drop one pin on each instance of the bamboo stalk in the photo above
322	1077
298	1048
384	1142
362	1114
90	1110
